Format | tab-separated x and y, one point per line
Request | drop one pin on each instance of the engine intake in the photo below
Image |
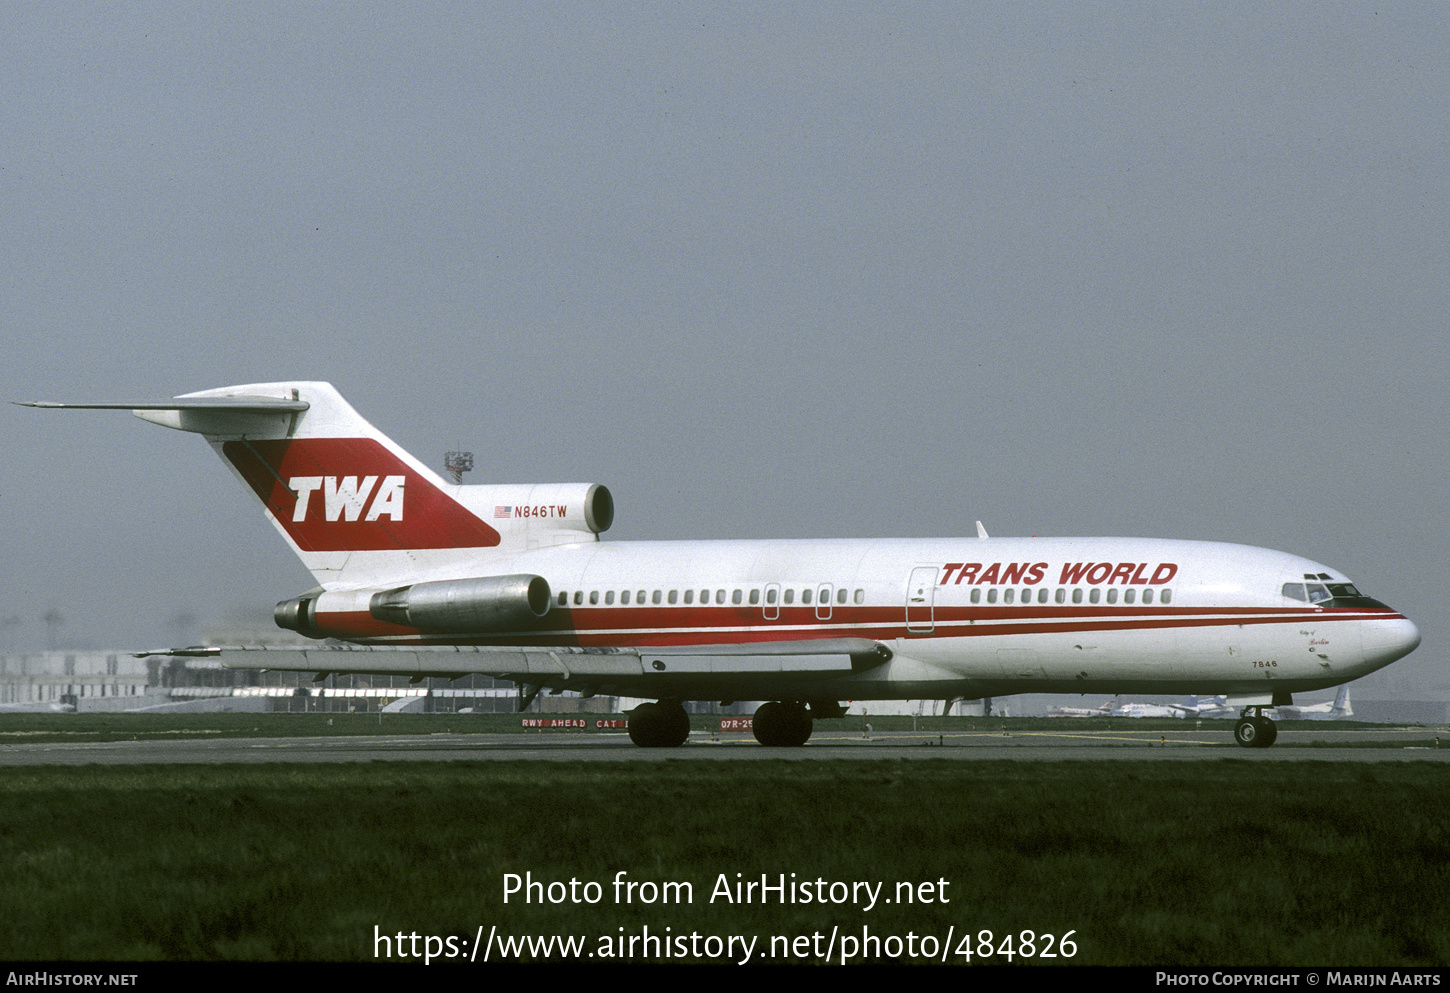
461	606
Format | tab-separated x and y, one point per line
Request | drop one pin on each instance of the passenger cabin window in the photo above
674	597
805	596
860	596
609	598
689	596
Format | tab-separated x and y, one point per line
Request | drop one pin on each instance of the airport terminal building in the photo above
108	680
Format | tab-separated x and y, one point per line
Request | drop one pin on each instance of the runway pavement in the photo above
1391	744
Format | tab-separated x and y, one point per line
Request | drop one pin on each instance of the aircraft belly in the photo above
1055	657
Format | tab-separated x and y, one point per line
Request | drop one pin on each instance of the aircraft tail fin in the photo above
1342	707
353	505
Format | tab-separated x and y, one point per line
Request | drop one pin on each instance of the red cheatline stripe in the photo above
647	627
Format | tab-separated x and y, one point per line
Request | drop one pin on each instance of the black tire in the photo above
659	725
675	726
763	725
1270	735
782	725
1246	732
644	725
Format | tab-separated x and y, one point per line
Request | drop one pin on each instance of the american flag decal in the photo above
502	512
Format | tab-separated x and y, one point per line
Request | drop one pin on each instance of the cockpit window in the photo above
1319	592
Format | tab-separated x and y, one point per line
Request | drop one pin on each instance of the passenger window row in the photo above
1062	595
738	597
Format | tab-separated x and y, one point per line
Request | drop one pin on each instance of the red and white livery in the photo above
422	576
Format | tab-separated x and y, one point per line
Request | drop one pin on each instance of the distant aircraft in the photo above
1106	710
1339	710
1219	706
1216	707
429	578
1147	710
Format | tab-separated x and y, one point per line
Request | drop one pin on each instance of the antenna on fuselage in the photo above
981	531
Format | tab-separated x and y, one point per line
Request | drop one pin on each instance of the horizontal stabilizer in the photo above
244	415
255	404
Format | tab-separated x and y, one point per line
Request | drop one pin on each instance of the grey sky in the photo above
764	270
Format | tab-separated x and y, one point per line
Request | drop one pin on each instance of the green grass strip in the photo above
1222	862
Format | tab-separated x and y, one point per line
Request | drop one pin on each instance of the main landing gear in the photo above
779	724
1257	731
659	725
782	724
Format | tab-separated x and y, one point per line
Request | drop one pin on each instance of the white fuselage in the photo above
963	617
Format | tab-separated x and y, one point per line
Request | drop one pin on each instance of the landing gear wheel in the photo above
782	725
1246	732
659	725
1256	732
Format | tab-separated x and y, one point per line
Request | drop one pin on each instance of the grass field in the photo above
1215	862
41	728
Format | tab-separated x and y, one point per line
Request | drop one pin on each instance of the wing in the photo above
738	672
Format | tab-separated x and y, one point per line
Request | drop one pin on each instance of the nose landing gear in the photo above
1257	731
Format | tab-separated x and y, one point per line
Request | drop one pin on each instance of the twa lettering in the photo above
319	488
1029	574
343	497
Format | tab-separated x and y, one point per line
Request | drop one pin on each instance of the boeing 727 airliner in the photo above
423	577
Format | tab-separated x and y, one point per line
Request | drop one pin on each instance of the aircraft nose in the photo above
1385	641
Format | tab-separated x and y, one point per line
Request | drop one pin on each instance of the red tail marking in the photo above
417	516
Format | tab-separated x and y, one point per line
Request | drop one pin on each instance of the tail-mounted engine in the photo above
537	515
483	605
461	606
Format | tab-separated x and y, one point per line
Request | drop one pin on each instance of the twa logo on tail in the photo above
343	497
353	494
